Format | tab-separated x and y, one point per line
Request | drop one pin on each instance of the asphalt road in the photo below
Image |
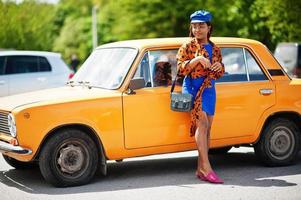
169	176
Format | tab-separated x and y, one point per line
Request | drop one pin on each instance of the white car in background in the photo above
288	55
25	71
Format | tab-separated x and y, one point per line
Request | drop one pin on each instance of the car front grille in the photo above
4	123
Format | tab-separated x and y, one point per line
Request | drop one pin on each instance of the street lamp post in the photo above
94	26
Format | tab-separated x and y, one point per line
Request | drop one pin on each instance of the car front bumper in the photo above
8	148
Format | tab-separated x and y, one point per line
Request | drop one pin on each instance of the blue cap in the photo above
200	16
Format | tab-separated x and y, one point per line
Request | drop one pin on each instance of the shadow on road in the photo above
237	169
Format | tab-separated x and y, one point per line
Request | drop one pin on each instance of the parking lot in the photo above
169	176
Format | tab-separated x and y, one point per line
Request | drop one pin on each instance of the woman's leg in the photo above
210	120
201	138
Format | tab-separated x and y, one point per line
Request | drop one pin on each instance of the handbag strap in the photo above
174	82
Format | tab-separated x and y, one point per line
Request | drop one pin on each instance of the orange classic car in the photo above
117	106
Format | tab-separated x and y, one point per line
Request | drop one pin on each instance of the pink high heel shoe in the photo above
213	178
200	176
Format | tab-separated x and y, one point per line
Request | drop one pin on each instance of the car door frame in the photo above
180	121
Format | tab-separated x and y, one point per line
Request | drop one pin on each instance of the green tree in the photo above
270	22
71	9
126	19
281	19
66	26
238	21
75	38
21	26
73	28
148	19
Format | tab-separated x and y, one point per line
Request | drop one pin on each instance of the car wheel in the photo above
18	164
69	158
222	150
279	143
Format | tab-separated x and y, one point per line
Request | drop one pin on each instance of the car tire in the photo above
279	143
18	164
69	158
218	151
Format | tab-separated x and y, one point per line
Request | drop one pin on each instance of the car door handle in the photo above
2	82
265	91
41	79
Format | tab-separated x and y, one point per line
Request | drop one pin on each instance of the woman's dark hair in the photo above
209	33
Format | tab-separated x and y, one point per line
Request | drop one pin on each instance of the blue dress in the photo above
192	85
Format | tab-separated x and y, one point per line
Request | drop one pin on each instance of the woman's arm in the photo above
217	69
186	64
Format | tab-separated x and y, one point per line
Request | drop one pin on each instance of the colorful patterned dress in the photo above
203	80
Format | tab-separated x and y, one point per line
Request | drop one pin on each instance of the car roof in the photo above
178	41
28	53
288	44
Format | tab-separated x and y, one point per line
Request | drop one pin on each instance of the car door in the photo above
148	120
243	94
4	84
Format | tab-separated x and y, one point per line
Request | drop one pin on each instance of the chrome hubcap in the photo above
71	159
282	143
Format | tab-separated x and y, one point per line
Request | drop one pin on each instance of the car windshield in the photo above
105	68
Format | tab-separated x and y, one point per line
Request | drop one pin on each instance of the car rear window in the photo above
255	72
44	65
26	64
21	64
2	59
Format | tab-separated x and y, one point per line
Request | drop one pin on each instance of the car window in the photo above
158	67
44	65
21	64
235	67
2	59
106	67
255	72
163	65
143	70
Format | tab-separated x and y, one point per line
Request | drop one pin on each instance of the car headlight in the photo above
12	125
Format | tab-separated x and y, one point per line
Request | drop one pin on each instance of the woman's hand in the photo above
205	62
217	67
201	59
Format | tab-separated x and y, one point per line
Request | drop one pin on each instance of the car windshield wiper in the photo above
85	83
82	83
70	83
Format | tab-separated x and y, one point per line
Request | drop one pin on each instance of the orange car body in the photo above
142	123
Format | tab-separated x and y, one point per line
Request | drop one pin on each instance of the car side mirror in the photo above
137	83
